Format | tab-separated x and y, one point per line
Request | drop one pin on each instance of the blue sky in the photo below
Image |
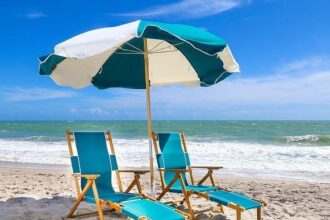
282	46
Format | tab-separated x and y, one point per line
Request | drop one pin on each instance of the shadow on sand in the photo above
56	208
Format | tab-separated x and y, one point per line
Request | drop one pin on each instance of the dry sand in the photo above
31	193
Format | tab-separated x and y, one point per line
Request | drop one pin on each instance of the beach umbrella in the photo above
140	55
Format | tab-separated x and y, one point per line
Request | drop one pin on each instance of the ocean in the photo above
297	150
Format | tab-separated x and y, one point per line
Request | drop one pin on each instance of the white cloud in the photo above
35	15
18	94
300	83
312	64
303	84
96	111
296	90
186	9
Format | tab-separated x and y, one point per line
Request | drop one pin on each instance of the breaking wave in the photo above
315	139
292	161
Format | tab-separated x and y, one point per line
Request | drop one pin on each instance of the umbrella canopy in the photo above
139	55
111	57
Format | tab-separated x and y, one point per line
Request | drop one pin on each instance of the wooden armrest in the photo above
134	171
87	176
260	201
174	170
208	167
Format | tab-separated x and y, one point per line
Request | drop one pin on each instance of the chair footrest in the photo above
150	210
225	198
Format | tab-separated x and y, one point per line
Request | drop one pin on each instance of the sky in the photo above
282	46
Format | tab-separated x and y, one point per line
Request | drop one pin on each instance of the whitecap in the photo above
294	161
303	138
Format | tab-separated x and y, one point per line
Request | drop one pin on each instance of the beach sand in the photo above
34	193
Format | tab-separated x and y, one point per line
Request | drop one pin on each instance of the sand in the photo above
34	193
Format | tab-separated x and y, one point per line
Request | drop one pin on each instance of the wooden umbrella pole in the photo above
146	72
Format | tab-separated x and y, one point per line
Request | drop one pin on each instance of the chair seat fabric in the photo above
194	188
114	197
225	197
221	196
149	209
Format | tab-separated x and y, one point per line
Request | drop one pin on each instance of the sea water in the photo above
267	149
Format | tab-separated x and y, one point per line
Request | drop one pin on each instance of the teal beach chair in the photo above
94	166
173	163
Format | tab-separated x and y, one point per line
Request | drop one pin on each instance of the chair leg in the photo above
259	213
97	201
79	199
186	197
183	200
191	211
130	187
168	187
204	178
212	179
138	184
221	209
238	215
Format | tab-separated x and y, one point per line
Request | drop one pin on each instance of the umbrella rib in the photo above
136	53
134	47
165	51
128	50
151	50
169	47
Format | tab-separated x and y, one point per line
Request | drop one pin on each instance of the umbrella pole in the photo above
146	72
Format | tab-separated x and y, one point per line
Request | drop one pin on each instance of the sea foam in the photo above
298	162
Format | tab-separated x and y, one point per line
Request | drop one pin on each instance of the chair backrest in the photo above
172	155
93	158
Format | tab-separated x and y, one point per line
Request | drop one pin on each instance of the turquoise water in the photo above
313	133
292	149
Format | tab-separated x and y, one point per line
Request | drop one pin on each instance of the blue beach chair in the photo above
93	166
173	163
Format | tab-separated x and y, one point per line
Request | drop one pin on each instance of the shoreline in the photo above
22	165
227	174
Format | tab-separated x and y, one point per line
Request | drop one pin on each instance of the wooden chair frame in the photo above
91	183
188	193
